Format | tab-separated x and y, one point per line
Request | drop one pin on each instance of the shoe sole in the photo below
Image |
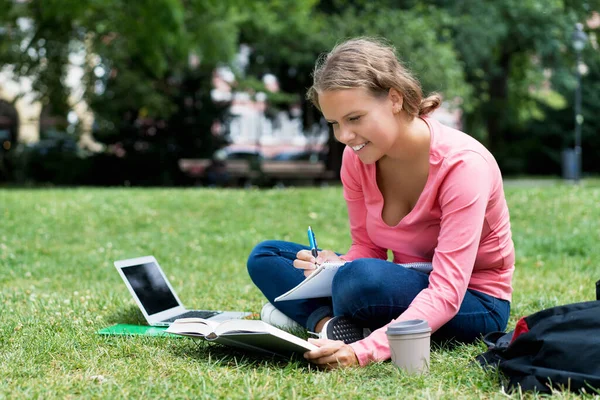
344	329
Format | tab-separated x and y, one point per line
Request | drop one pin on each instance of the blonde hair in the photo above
372	64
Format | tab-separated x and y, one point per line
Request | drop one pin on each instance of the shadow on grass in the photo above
131	315
217	355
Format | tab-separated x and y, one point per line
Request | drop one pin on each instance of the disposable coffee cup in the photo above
409	344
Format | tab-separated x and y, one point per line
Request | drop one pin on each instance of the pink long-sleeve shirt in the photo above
460	223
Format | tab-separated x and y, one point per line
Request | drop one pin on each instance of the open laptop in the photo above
155	296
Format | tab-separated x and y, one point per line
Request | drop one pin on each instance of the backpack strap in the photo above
498	340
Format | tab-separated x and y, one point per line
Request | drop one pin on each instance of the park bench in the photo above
296	169
266	170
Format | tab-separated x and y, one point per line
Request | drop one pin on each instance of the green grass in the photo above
58	287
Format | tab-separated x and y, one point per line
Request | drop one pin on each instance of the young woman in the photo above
423	190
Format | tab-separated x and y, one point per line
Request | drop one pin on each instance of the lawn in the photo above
58	286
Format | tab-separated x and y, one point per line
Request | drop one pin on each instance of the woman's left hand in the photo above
331	354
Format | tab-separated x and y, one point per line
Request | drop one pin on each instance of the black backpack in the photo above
556	348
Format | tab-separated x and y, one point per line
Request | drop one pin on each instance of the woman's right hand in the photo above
305	260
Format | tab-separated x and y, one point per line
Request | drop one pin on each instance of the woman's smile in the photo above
359	147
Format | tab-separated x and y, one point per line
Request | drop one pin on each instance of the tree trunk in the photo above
496	110
334	158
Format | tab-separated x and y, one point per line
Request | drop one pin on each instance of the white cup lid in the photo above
408	327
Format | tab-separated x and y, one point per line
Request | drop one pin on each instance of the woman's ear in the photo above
396	99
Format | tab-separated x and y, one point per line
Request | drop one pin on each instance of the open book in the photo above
319	283
251	335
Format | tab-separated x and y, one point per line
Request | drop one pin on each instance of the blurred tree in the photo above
139	59
146	47
7	31
416	37
508	48
35	42
284	37
590	111
542	140
155	77
144	41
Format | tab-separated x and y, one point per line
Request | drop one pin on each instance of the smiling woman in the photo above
422	190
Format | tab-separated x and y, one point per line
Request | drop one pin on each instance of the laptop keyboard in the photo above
193	314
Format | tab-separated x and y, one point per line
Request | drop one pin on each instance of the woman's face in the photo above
362	121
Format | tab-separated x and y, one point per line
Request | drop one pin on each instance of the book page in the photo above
241	326
192	327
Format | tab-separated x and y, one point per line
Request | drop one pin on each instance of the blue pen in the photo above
312	240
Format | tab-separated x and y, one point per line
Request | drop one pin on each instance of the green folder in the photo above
134	330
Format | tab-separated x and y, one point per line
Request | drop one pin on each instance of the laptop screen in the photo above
150	287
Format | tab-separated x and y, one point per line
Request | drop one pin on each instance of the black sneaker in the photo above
344	329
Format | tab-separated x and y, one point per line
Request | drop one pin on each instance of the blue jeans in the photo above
371	291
